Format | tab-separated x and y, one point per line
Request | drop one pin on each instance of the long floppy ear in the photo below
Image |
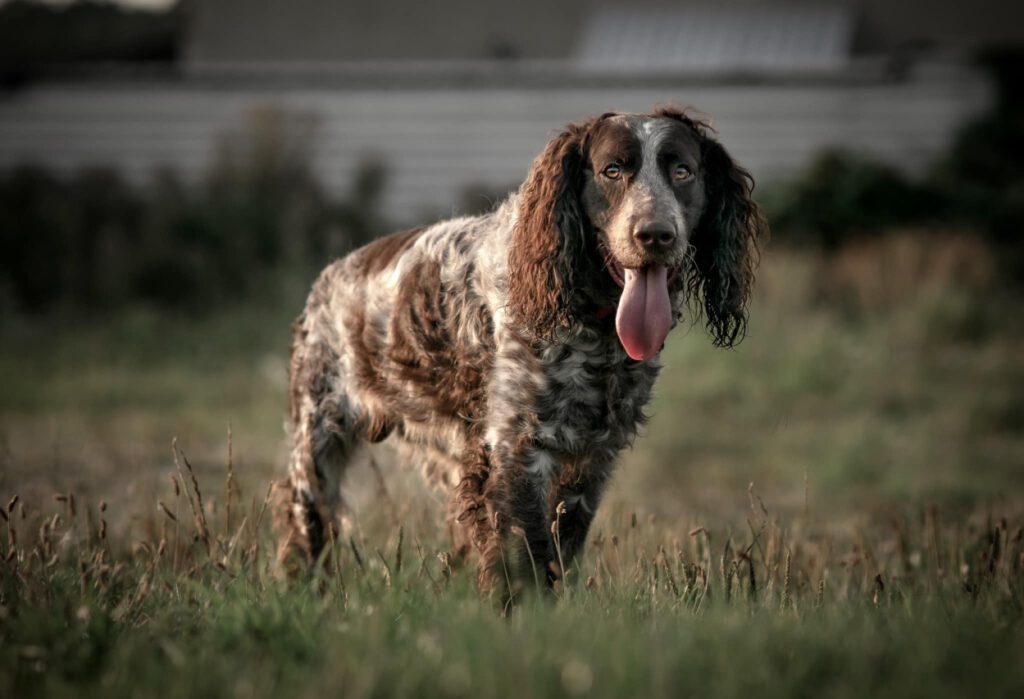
547	248
725	244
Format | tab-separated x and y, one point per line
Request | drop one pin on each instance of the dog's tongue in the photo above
645	313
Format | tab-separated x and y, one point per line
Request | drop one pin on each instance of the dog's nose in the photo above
655	236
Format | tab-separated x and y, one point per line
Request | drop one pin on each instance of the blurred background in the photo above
174	174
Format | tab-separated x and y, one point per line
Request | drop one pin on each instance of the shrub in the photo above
92	242
63	237
983	173
34	35
842	196
978	185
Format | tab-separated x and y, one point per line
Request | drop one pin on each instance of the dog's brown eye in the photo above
612	172
682	172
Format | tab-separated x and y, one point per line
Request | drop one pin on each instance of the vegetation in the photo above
879	551
92	242
978	186
930	610
35	35
843	195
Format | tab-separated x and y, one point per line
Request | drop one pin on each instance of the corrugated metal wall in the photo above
437	142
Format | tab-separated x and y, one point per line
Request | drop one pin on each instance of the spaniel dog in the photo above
514	352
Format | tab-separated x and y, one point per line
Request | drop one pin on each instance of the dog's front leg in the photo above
517	550
515	543
574	502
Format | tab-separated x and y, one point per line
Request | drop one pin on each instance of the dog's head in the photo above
642	212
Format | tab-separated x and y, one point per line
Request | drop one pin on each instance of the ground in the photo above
832	509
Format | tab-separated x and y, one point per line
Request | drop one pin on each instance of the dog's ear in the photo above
547	247
725	244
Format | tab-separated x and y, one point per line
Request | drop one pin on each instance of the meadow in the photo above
834	508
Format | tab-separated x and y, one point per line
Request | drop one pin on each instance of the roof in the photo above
719	36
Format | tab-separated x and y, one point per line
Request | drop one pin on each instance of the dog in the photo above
513	353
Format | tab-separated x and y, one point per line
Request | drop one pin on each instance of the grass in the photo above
929	608
833	509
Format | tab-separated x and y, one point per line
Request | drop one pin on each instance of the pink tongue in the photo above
645	313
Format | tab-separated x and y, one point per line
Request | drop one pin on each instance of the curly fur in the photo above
549	237
725	243
484	344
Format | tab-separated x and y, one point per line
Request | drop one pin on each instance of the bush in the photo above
983	174
92	242
978	185
63	236
843	196
35	35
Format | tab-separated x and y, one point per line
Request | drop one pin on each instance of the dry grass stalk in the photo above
424	569
355	552
166	511
398	550
556	530
787	591
510	592
263	511
12	534
387	568
103	521
725	568
229	486
521	533
199	515
669	577
446	565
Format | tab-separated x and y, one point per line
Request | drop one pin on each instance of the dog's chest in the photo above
594	397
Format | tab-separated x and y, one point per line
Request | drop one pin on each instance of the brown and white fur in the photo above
496	345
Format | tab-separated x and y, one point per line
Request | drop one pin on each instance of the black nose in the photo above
655	236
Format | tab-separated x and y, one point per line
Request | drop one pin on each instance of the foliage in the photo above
90	241
193	608
884	442
983	173
842	195
36	34
977	185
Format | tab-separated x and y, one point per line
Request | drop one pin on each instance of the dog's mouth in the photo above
644	314
617	271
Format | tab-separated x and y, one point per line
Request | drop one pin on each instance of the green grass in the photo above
884	526
927	610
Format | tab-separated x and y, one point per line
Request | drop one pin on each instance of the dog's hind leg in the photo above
320	452
325	432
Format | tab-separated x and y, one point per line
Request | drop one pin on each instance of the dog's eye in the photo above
682	173
612	172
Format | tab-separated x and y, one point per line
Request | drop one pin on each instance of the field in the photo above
832	509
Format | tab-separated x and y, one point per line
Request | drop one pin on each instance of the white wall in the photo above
438	141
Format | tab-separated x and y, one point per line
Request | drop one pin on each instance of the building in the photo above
457	96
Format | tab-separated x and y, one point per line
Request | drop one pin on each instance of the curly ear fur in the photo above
548	237
725	244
